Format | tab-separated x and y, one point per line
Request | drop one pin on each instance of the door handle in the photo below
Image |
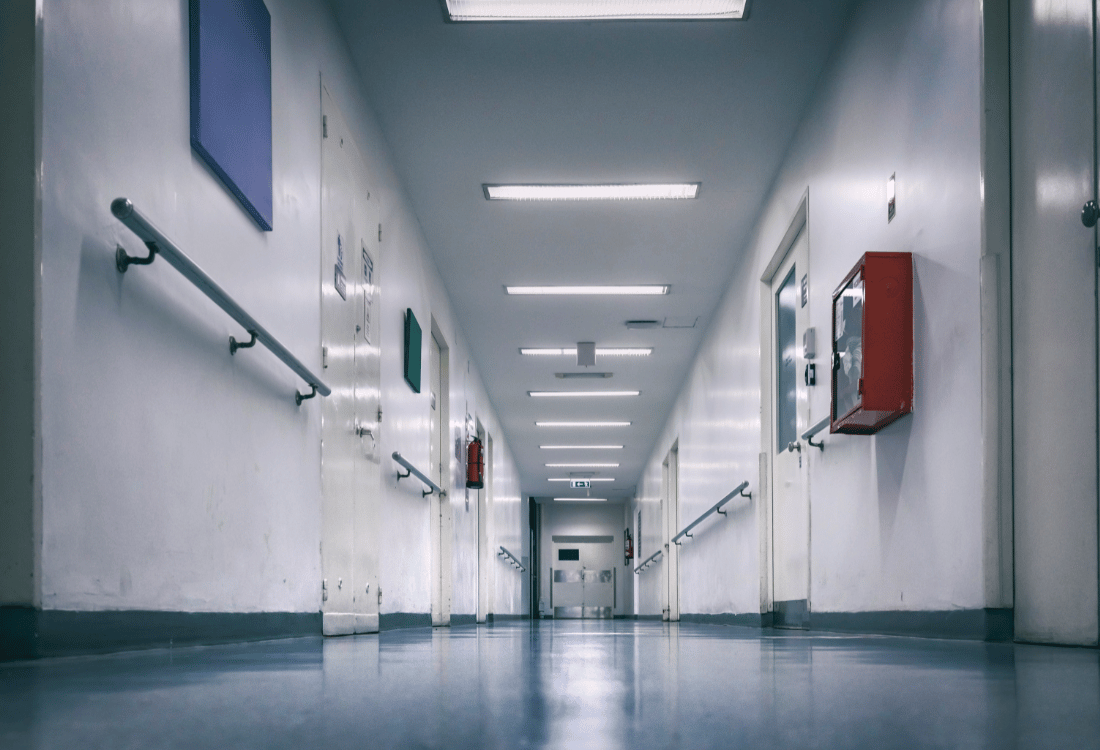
1090	214
794	446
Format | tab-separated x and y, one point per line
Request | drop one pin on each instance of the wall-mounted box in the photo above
872	344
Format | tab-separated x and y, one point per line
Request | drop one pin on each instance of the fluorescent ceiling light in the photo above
678	191
581	447
590	479
621	291
580	499
562	10
613	352
582	424
582	466
580	394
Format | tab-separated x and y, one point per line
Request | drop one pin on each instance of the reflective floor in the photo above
574	684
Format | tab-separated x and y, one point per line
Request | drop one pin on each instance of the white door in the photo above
1054	325
350	477
368	410
670	521
789	414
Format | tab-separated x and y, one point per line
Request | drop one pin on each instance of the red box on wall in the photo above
872	344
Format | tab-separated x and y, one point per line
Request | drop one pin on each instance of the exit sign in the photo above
580	484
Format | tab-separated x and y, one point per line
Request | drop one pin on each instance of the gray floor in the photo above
580	684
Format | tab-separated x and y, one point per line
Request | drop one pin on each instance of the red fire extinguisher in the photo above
475	465
629	546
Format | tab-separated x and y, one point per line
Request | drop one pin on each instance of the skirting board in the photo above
962	624
457	620
27	633
747	620
965	624
398	620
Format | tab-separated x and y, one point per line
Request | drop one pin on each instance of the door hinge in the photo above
324	126
379	594
324	357
379	232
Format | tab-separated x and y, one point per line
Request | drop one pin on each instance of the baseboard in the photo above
401	620
962	624
994	625
654	617
746	620
791	614
509	618
458	620
30	633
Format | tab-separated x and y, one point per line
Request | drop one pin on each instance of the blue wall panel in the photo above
231	98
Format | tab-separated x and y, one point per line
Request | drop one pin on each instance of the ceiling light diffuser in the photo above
590	479
581	447
582	424
612	352
621	291
580	394
577	10
582	466
665	192
580	499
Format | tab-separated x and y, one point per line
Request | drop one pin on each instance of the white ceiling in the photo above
573	102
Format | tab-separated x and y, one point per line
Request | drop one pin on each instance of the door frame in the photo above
441	512
765	513
670	519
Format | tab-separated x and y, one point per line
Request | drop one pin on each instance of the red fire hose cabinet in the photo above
872	351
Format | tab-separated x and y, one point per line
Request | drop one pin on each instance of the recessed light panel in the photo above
614	352
664	192
581	447
582	424
580	499
619	291
590	479
594	10
582	466
580	394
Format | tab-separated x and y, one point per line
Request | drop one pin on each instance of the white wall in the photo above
177	477
896	519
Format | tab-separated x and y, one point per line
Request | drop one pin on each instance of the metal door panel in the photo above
790	415
1054	323
338	440
350	460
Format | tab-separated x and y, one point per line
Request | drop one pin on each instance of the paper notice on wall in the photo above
368	292
340	281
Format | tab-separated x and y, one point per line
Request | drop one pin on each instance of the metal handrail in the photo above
512	559
648	561
413	471
716	508
816	429
158	244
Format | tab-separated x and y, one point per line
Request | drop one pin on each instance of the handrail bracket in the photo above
123	260
299	397
234	345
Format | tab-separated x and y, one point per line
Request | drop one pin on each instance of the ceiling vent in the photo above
643	324
570	375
